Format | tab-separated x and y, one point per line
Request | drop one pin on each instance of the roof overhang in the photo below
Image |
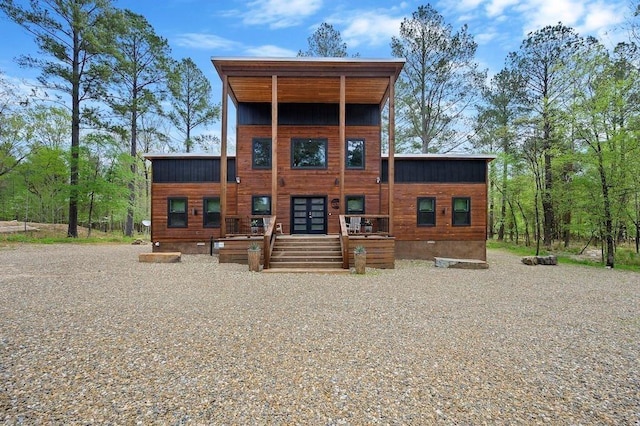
309	80
449	156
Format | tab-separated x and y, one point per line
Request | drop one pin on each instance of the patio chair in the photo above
354	225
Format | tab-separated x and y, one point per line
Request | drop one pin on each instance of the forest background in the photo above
562	116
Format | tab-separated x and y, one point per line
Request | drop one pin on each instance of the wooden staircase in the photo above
295	252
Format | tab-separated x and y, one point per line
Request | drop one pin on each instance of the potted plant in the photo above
254	226
368	226
360	259
253	257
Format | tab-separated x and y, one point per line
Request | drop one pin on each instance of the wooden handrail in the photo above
344	242
269	242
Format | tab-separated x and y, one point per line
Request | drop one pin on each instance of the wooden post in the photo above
274	145
343	141
392	142
223	157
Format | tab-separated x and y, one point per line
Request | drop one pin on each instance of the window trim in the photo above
467	221
346	150
325	143
346	204
418	211
253	153
253	200
171	214
206	224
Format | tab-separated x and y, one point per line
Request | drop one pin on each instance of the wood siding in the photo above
405	210
308	182
194	192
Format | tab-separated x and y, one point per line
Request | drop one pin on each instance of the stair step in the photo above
306	264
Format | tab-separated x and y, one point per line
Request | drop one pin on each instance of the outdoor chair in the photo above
354	225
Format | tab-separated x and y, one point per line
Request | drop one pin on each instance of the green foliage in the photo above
191	100
326	42
438	83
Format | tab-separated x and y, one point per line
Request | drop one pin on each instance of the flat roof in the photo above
308	80
451	156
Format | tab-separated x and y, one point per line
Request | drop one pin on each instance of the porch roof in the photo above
305	80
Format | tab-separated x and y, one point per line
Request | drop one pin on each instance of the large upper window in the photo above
355	204
426	211
308	153
355	154
261	154
461	211
177	212
211	216
261	205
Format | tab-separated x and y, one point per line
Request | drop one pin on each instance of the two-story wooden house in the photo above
308	163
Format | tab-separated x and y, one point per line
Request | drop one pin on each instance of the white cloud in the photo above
204	41
600	15
279	13
270	51
497	7
367	27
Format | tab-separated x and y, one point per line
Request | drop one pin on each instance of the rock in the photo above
138	242
547	260
540	260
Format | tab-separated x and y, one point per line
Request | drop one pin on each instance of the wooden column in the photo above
223	157
274	144
392	143
342	137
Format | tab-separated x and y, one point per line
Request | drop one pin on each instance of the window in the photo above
308	153
461	211
355	204
177	215
426	211
355	154
261	205
261	153
211	215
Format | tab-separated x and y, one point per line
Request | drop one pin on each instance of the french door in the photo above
308	215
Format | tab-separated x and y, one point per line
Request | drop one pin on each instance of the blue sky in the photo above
201	29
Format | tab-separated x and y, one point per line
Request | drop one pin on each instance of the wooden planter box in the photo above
254	260
360	262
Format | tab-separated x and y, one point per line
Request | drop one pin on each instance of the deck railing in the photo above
245	225
370	223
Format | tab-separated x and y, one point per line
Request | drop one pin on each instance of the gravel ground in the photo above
89	335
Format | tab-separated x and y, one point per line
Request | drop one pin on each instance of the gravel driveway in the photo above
89	335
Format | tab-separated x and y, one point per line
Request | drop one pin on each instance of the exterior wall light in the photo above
237	179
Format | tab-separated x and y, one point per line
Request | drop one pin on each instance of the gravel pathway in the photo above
89	335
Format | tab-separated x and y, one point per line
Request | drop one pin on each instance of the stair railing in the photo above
269	242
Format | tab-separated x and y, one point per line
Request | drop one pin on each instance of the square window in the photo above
261	153
308	153
211	216
261	205
461	211
426	211
177	213
355	154
355	204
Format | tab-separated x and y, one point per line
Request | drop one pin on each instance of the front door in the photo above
309	215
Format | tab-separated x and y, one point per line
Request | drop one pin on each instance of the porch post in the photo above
223	157
274	144
342	137
392	143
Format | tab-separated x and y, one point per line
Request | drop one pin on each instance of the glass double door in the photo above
309	215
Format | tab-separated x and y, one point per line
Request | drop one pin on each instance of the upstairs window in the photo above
355	154
461	211
177	212
211	216
308	153
261	205
426	211
261	153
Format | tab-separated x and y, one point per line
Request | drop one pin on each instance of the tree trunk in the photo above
72	230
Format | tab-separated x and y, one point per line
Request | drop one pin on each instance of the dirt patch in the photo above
42	229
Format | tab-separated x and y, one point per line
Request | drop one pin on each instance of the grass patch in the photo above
625	258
